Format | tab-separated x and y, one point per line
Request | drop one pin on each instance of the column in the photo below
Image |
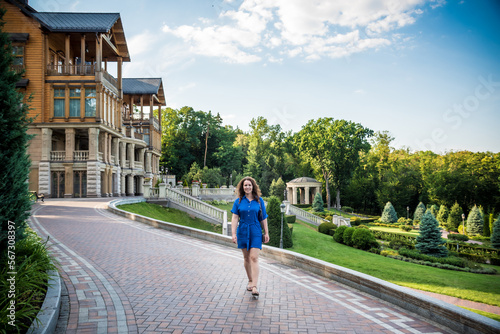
70	143
68	180
294	195
131	155
82	54
140	185
93	144
118	178
307	195
147	163
130	185
141	157
122	184
123	154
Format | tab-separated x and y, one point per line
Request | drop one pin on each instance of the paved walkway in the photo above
126	277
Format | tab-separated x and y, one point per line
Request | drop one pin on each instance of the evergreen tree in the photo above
389	215
14	193
442	216
434	210
419	212
318	204
277	189
454	217
475	221
495	236
274	224
429	240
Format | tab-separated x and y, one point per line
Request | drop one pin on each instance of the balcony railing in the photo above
81	155
57	155
53	69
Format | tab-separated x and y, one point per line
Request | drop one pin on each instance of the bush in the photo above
274	225
389	215
495	236
405	228
419	212
318	204
290	219
475	221
364	239
363	226
458	237
339	234
347	209
326	228
451	260
429	241
347	236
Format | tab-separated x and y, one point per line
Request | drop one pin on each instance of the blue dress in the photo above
249	232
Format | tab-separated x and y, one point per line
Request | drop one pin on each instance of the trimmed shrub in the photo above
347	209
454	217
442	216
475	221
364	239
347	236
325	228
389	215
458	237
274	225
429	240
318	204
495	236
290	219
419	212
405	228
339	234
356	221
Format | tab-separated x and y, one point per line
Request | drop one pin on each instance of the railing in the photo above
216	191
57	155
101	156
56	69
138	165
307	216
154	192
81	155
187	191
182	199
110	78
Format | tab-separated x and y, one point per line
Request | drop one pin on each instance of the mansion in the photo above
94	135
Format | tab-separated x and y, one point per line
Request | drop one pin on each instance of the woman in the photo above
249	215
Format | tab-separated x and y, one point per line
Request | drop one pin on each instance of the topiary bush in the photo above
347	236
339	234
318	204
389	215
274	225
475	221
290	219
364	239
356	221
326	228
458	237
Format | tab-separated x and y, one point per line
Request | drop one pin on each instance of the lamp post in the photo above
282	208
407	212
463	223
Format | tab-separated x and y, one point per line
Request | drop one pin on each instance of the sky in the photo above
428	72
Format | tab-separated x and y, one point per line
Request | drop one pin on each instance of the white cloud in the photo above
299	28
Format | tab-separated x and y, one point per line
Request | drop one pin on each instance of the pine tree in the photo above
419	212
442	216
475	221
454	217
429	240
434	210
318	204
274	225
277	189
495	236
389	215
14	193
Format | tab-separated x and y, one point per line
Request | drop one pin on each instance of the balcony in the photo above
53	69
77	155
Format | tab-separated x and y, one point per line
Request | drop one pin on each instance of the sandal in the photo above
255	292
249	287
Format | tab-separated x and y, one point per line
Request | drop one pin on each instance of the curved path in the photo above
127	277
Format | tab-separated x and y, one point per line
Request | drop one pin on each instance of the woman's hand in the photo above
234	238
266	238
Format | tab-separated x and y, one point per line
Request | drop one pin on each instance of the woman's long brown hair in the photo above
255	188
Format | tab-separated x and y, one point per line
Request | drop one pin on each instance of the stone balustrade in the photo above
57	155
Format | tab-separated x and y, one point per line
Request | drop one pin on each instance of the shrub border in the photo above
445	314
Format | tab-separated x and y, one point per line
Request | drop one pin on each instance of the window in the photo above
59	95
90	102
74	102
18	54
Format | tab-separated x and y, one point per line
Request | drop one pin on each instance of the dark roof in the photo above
141	86
304	180
77	22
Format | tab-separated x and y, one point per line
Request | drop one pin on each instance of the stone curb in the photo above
49	313
445	314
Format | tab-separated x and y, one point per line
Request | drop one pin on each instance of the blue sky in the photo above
426	71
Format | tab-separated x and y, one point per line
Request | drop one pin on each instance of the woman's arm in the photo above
266	231
234	225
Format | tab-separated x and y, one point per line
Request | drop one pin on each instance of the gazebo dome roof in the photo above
304	180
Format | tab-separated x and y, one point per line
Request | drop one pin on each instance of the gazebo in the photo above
307	186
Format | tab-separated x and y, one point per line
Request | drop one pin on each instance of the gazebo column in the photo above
307	195
294	195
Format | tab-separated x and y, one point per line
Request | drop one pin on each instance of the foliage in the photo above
442	216
14	194
339	234
278	188
434	210
495	236
405	228
458	237
454	217
32	265
318	203
475	221
274	225
290	219
419	212
347	236
389	215
327	228
429	240
363	239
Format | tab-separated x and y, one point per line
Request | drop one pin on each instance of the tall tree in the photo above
14	194
454	217
495	236
442	216
429	240
274	225
334	146
419	211
475	221
389	215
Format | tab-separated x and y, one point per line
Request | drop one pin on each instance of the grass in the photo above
394	230
493	316
170	215
475	287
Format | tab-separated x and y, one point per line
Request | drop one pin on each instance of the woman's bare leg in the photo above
254	265
247	264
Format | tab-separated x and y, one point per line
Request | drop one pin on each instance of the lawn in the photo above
394	230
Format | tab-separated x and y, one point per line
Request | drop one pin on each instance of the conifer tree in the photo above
274	224
318	204
475	221
277	189
389	215
454	217
429	240
495	236
419	212
442	216
14	195
435	210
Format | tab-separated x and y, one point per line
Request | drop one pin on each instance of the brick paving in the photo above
126	277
